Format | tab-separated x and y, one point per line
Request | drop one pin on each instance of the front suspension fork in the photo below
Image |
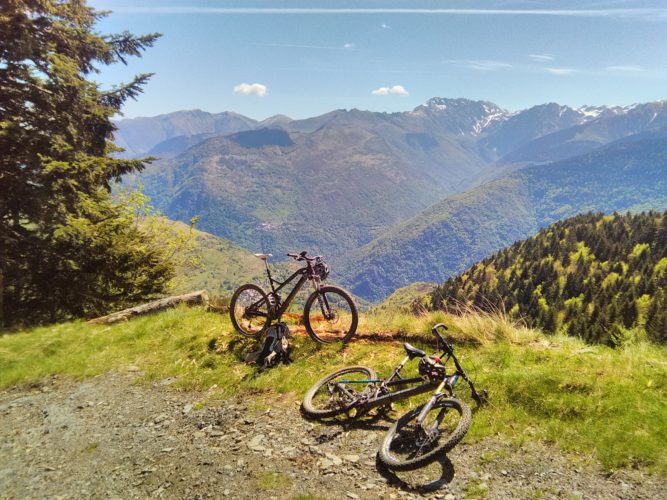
428	406
322	301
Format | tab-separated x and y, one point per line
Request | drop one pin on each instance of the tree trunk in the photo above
199	297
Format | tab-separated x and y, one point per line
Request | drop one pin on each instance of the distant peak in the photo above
442	103
463	115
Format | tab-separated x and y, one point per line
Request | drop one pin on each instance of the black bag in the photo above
276	347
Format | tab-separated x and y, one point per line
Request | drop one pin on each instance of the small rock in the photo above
351	458
255	443
132	368
160	418
450	496
352	495
167	450
325	463
503	472
216	434
335	460
187	409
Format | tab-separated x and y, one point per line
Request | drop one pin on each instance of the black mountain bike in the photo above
329	314
423	434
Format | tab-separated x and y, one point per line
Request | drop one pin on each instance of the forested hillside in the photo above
601	278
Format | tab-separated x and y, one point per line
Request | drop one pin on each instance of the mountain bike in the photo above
423	434
329	314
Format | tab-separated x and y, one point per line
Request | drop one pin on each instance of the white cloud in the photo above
481	65
641	13
540	57
347	46
385	26
251	89
396	90
625	69
561	71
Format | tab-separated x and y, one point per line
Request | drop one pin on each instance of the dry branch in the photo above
198	297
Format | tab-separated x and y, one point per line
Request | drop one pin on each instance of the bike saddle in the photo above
413	352
263	256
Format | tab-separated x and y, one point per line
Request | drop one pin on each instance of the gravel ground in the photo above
109	437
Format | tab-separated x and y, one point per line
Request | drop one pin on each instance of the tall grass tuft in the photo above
481	327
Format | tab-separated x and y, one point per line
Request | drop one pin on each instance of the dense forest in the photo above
599	277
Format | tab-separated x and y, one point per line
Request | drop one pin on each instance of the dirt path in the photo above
108	437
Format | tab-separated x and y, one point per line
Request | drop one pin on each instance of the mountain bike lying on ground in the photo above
420	436
329	314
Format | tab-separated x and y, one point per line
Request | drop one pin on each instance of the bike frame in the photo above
395	379
442	388
305	273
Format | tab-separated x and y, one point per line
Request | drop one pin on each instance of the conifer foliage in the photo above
66	249
601	278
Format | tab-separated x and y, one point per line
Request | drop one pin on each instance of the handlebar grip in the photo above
293	255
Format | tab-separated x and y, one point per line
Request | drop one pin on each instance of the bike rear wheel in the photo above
330	315
337	392
249	310
408	446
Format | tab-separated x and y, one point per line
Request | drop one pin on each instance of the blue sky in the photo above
303	58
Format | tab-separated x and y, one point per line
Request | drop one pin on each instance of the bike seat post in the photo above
268	273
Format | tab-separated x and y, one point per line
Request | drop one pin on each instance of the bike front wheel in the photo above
337	392
408	445
250	311
330	315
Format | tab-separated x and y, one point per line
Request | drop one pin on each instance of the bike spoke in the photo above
340	395
251	311
331	318
413	441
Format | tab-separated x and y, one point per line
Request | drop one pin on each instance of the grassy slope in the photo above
606	405
223	265
407	297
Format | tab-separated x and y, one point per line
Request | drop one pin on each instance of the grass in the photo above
603	405
273	481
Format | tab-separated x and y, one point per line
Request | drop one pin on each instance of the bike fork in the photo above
428	406
322	301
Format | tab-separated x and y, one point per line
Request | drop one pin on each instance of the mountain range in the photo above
392	198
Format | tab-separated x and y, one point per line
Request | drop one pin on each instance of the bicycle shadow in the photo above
374	421
412	481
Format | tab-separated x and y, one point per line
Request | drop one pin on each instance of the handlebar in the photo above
302	256
447	347
480	397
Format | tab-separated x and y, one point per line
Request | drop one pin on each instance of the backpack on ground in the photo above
276	348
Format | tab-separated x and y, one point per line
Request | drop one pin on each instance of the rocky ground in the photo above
110	437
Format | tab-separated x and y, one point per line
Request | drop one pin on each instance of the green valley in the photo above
462	229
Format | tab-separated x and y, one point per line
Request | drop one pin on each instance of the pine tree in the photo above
65	248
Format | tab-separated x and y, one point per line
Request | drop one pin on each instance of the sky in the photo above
304	58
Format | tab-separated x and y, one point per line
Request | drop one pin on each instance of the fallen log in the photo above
198	297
